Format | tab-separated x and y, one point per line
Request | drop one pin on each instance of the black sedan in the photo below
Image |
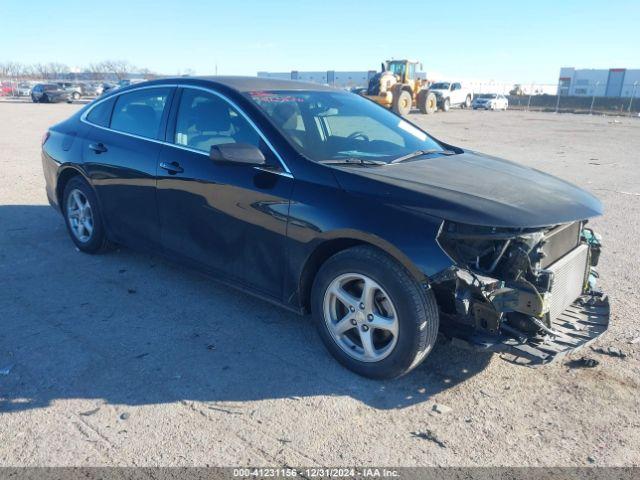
321	201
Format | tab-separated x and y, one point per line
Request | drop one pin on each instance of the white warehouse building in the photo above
613	82
329	77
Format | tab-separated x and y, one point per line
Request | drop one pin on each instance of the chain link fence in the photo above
544	97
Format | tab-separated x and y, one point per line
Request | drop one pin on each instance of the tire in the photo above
467	102
75	96
427	102
446	105
402	103
95	240
414	308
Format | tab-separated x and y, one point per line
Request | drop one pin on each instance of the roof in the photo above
247	84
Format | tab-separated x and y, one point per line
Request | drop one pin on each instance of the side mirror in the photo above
237	153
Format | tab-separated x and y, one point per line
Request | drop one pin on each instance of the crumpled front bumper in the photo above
580	324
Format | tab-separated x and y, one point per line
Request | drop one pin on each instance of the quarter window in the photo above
101	113
205	120
140	112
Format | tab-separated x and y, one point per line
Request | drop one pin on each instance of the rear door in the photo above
120	154
230	219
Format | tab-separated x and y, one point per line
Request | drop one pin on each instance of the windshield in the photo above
487	95
441	86
397	68
327	125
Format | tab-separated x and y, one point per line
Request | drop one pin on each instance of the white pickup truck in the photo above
449	94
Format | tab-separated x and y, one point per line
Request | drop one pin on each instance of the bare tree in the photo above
120	68
57	69
98	71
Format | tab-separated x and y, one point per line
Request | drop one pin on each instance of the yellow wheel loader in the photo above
397	87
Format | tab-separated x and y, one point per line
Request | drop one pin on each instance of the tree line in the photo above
108	69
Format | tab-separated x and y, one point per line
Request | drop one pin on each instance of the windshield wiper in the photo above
419	153
352	161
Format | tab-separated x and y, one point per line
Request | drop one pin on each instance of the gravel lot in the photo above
124	359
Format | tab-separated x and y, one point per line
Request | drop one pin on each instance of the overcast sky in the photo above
523	41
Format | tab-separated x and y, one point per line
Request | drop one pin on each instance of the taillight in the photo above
45	137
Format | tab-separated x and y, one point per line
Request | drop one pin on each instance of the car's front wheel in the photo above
372	315
82	216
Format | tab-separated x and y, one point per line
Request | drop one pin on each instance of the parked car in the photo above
321	201
92	89
450	94
50	93
490	101
6	89
24	89
74	89
106	87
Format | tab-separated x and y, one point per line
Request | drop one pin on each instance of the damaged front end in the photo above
529	291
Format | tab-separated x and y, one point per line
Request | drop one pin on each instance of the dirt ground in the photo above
125	359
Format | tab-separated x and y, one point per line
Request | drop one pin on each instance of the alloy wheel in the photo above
361	317
80	215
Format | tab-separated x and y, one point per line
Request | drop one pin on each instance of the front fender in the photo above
319	214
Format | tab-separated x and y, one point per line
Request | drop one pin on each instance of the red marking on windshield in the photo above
269	97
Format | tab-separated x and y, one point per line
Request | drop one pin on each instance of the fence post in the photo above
633	94
558	99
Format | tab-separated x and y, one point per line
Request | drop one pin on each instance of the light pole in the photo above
558	94
594	97
633	94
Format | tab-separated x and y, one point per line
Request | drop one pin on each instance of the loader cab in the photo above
405	70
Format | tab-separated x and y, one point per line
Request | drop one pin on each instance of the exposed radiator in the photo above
568	279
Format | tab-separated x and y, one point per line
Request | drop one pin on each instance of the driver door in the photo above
229	219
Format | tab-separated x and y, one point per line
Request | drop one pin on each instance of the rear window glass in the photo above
101	113
140	112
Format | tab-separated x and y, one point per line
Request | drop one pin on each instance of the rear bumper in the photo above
579	324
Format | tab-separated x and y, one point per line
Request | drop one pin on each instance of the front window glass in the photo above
397	68
327	125
140	112
440	86
205	120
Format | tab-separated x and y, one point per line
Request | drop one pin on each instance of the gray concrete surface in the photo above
125	359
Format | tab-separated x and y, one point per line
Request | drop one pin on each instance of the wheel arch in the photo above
66	174
338	242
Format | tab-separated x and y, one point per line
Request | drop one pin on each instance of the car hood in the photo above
475	189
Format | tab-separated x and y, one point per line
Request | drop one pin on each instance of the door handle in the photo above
172	168
98	147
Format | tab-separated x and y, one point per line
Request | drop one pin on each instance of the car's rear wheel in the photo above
446	105
372	315
467	102
82	216
75	96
